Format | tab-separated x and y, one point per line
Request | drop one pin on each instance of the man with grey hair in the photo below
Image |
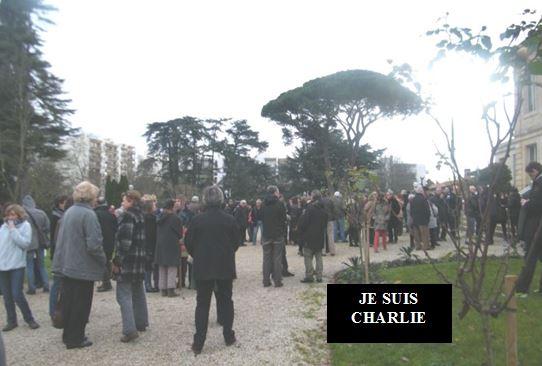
312	228
273	233
212	239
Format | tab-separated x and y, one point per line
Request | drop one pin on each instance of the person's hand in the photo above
524	201
115	269
183	247
11	224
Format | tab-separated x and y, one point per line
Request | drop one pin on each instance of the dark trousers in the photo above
353	235
151	274
243	237
452	226
433	236
11	283
272	260
392	232
443	227
107	273
491	231
224	304
77	302
284	261
527	272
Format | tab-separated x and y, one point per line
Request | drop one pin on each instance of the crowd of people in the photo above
146	247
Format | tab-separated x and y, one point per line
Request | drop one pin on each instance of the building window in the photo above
532	153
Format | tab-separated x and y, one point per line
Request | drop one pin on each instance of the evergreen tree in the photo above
32	107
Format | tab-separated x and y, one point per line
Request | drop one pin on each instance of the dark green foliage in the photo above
305	170
112	192
244	177
485	177
32	108
45	182
347	101
183	147
123	184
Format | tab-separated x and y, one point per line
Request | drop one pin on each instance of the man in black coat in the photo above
274	230
212	239
108	224
312	228
532	231
394	222
473	214
419	210
241	215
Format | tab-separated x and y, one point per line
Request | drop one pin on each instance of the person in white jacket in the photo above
15	239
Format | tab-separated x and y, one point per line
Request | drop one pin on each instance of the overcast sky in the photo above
129	63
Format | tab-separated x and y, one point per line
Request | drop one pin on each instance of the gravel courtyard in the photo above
267	322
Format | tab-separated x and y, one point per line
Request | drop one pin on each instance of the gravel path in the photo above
266	322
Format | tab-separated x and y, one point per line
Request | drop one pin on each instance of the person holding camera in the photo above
15	239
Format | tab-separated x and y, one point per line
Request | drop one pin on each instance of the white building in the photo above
93	159
527	139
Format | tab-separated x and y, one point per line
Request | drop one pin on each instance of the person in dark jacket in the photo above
514	207
420	213
80	260
241	215
531	230
331	210
108	224
294	211
151	271
473	214
395	220
438	200
312	227
453	205
274	229
54	217
354	217
497	215
168	250
129	267
212	240
39	221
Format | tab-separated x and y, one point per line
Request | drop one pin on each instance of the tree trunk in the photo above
328	171
488	341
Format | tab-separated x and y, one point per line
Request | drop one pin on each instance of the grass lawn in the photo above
467	347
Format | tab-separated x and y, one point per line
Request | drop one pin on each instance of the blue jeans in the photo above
30	269
11	283
53	294
339	230
257	225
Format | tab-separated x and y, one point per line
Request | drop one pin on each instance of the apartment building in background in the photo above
94	159
527	141
275	164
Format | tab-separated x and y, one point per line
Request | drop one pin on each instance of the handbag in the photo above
58	317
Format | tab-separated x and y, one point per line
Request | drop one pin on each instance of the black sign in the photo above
389	313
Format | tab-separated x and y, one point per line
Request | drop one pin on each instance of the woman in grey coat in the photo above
80	260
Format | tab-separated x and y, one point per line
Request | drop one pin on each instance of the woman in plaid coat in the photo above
129	267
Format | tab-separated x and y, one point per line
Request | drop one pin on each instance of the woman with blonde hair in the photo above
80	260
15	239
